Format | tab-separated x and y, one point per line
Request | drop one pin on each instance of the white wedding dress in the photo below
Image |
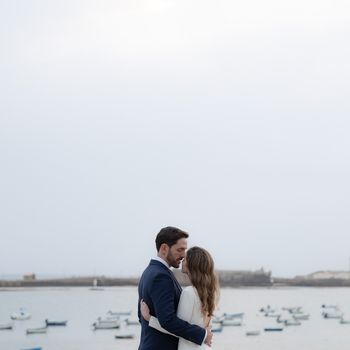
189	310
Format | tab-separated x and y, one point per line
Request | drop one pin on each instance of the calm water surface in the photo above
81	307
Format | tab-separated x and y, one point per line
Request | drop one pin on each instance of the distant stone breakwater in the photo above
228	278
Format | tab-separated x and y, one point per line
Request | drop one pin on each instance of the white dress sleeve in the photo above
154	323
184	310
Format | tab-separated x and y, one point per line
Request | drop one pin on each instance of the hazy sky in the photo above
229	119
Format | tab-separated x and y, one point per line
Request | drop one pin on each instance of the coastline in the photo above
245	281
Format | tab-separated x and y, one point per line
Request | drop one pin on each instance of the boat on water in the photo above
106	324
6	326
125	336
132	322
217	328
218	319
119	313
95	286
301	316
267	309
232	316
294	309
55	323
251	333
233	322
273	329
329	306
344	321
332	315
292	322
21	315
38	330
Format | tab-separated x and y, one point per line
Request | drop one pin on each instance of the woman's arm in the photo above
184	311
152	321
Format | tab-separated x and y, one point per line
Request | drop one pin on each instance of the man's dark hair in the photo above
169	235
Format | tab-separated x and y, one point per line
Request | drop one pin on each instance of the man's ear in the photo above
164	248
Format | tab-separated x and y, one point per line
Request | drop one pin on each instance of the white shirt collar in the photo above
162	261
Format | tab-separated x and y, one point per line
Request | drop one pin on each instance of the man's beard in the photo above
171	261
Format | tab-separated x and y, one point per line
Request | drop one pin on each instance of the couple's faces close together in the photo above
177	254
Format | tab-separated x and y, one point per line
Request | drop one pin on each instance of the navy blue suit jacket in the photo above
161	292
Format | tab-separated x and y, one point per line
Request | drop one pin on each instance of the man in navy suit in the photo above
160	290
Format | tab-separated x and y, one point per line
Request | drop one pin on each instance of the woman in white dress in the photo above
198	301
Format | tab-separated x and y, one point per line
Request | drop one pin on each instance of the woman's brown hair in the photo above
203	277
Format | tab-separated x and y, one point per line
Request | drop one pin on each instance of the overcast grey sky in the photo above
229	119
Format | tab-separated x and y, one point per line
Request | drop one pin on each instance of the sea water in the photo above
82	306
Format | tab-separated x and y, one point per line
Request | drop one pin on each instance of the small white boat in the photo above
95	286
250	333
232	322
293	310
292	322
325	306
36	330
218	319
21	315
266	309
119	313
272	314
132	322
332	315
6	326
217	328
301	316
344	321
281	319
232	316
107	320
106	325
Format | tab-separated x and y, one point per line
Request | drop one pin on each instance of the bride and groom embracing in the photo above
173	318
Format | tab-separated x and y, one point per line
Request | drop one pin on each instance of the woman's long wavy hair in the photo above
203	277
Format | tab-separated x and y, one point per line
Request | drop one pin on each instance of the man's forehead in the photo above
181	243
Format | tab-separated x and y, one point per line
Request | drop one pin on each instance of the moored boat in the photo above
21	315
233	322
125	336
132	322
217	328
344	321
273	329
250	333
6	326
106	324
292	322
301	317
119	313
55	323
38	330
231	316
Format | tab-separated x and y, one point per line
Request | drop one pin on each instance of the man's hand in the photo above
145	310
209	337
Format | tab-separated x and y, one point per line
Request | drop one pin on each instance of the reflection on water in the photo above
81	307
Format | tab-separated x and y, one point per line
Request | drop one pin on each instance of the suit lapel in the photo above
158	263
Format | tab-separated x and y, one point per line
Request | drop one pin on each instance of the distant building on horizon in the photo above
29	277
